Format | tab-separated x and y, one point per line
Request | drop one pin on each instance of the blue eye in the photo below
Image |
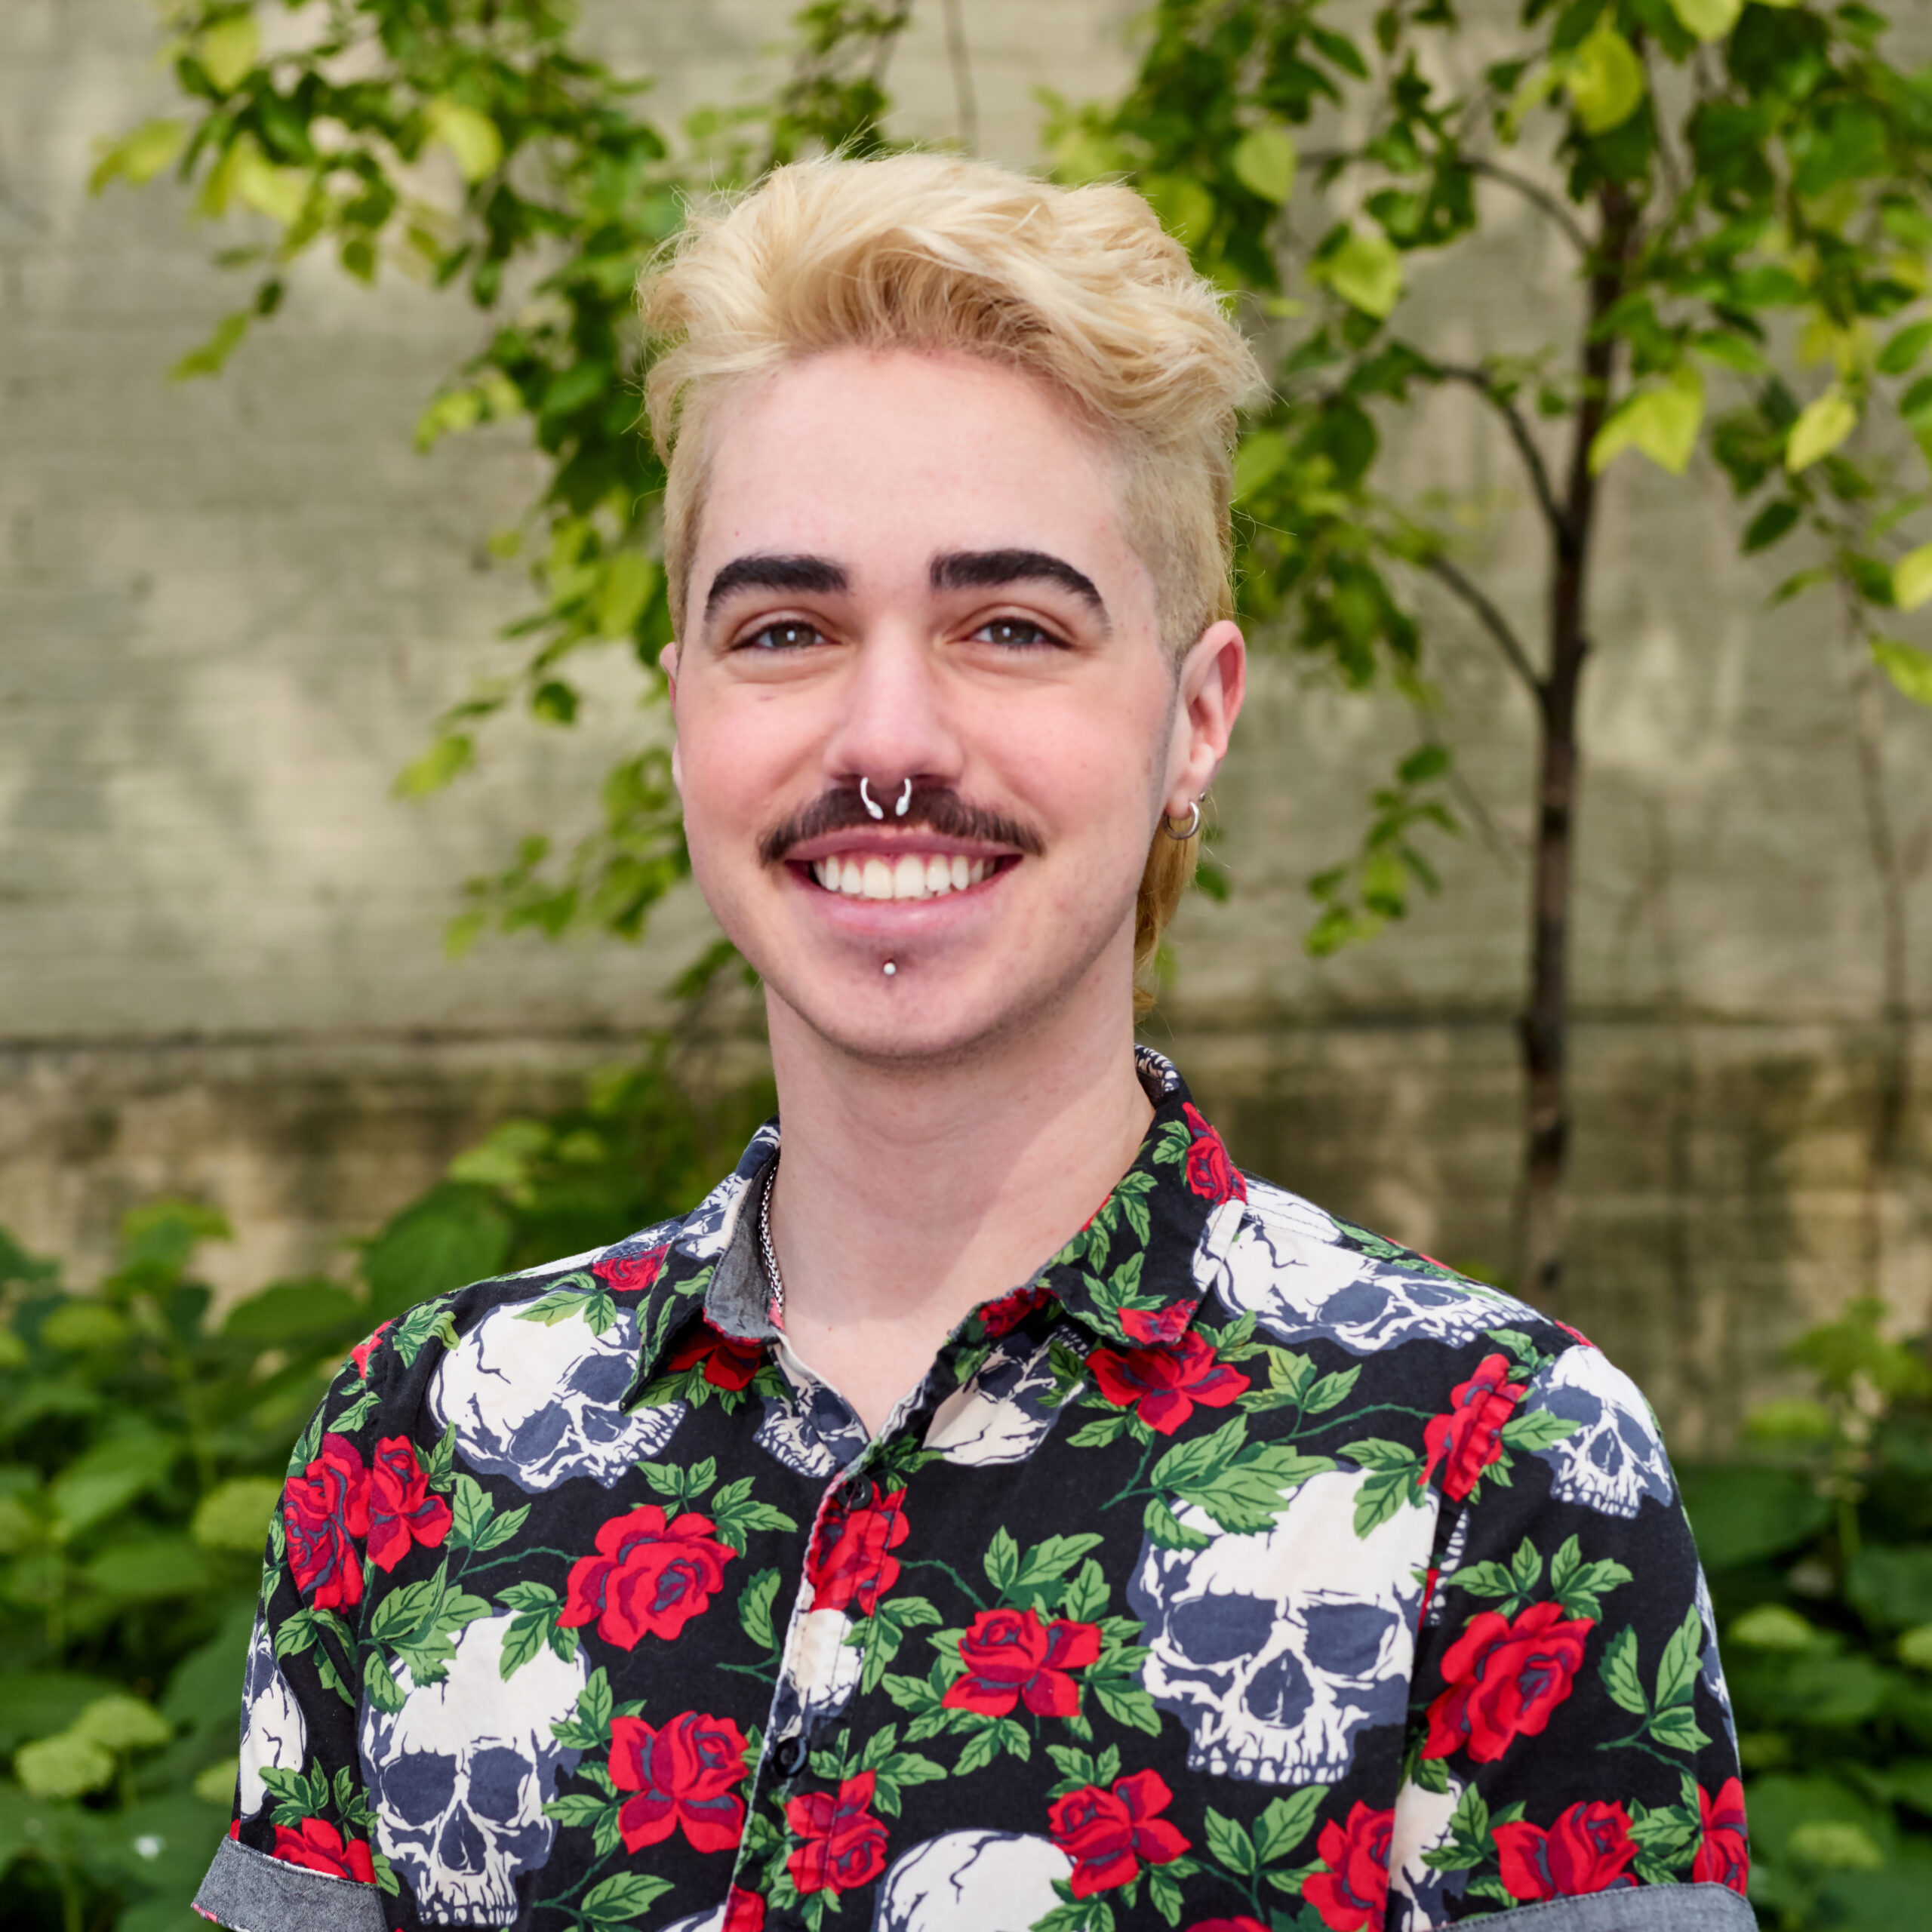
789	634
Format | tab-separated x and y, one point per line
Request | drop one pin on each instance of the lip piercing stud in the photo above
889	969
865	799
904	799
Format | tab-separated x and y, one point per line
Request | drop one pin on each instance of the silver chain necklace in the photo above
765	1250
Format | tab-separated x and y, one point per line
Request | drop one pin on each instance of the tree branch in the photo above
1492	620
1533	192
1484	385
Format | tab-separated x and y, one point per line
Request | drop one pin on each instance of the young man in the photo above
990	1509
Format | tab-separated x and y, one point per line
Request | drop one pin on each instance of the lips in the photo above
910	875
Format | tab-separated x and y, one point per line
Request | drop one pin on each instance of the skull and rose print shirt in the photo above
1241	1572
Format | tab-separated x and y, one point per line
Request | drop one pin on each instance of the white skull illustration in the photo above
820	1670
1277	1648
786	1433
274	1734
1614	1457
971	1882
459	1775
1288	1267
1417	1891
707	1229
1711	1668
1003	1414
538	1402
1453	1553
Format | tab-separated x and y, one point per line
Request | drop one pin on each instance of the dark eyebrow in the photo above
988	570
819	574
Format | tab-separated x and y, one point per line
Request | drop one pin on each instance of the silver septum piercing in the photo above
878	811
1193	824
890	969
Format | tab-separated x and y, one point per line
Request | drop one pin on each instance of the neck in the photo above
909	1193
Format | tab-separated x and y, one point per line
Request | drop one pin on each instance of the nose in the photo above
895	731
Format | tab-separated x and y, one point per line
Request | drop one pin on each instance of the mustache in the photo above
937	808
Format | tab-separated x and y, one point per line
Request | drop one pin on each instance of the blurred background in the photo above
344	955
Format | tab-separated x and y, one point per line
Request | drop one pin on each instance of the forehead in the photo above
881	460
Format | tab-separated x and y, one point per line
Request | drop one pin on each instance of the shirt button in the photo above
788	1756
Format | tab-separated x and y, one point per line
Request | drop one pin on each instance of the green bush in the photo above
1819	1544
143	1438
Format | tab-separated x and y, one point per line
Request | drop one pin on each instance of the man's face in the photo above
910	570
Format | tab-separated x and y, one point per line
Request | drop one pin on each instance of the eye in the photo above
1015	633
788	634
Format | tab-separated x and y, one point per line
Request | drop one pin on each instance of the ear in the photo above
1211	683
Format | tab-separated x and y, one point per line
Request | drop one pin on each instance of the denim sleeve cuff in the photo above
1630	1908
248	1891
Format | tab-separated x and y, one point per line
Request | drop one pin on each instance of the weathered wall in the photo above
227	610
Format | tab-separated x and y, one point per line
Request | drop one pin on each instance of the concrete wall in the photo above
228	611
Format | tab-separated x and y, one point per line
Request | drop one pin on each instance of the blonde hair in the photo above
1080	287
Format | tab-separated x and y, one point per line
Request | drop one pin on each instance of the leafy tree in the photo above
1743	188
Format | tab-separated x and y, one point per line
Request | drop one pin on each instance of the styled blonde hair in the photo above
1080	287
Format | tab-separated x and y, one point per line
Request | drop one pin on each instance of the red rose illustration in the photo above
318	1845
626	1273
1469	1437
401	1510
1724	1858
682	1773
845	1844
1353	1893
323	1510
1244	1924
1157	1327
1001	1317
647	1576
1585	1850
744	1912
1162	1386
1210	1173
728	1362
1505	1679
1012	1658
1431	1578
361	1353
1110	1834
848	1562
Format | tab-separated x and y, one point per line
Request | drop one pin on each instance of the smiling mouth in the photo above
912	875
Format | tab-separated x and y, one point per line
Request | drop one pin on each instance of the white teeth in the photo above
909	876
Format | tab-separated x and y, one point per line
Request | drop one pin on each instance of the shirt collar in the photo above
1133	1276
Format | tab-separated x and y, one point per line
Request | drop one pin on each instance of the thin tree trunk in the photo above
1545	1024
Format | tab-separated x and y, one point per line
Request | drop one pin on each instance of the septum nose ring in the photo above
878	811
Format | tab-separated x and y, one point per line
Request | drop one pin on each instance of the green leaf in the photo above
1905	348
1264	162
1707	19
1605	79
1332	1390
1677	1730
468	134
1002	1561
1618	1672
1188	1464
139	156
228	49
576	1808
1383	1493
1536	1429
471	1509
1822	425
1245	1497
1366	272
1167	1529
1911	579
1127	1703
630	579
755	1608
1287	1820
1683	1655
382	1689
1046	1561
1774	520
1661	424
1375	1452
618	1900
212	357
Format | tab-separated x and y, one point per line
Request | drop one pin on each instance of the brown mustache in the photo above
937	809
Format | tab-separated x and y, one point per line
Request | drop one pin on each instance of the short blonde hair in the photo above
1080	287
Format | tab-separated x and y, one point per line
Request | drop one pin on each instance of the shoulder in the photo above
1305	1276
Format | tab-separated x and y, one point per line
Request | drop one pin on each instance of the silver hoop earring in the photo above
904	799
865	799
1193	824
